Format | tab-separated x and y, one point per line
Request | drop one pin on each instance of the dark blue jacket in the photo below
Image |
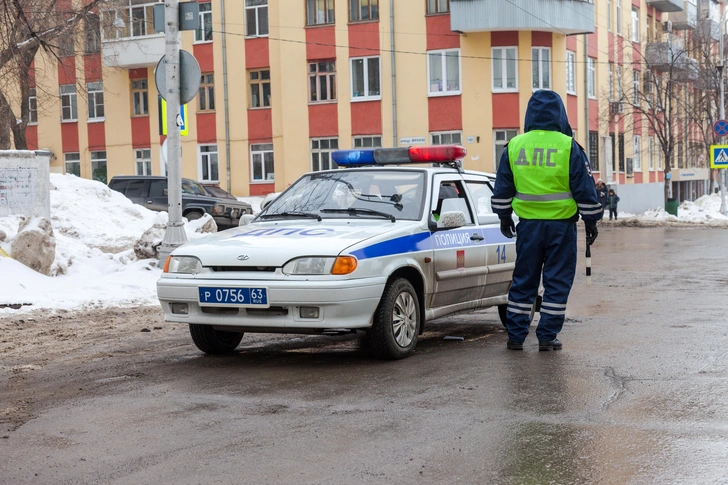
546	112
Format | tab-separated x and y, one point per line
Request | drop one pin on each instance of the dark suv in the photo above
151	192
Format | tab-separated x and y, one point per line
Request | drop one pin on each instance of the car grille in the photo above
246	269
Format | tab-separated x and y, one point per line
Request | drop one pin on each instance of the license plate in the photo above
253	297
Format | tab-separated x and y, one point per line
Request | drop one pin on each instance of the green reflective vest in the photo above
540	164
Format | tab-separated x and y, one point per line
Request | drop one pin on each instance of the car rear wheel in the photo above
397	321
193	216
212	341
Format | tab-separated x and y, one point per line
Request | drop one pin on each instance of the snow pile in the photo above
705	210
254	202
95	230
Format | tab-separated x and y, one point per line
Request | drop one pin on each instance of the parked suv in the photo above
151	192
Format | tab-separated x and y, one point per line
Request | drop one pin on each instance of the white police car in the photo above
370	247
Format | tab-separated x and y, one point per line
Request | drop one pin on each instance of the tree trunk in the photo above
7	119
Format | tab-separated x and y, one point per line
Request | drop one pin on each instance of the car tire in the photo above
193	216
397	321
212	341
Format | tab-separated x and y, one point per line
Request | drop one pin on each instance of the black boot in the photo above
511	345
554	344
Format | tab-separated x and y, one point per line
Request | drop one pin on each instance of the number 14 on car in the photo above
500	251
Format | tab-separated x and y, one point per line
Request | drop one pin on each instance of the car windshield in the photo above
193	188
354	194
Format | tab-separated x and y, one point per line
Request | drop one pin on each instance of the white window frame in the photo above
610	81
637	152
331	86
375	141
95	93
435	7
320	17
541	66
570	72
501	143
98	158
69	100
591	84
143	156
32	106
315	147
651	152
255	10
208	158
635	87
443	56
365	69
502	57
620	86
258	151
609	15
440	134
75	158
205	18
619	17
635	24
370	17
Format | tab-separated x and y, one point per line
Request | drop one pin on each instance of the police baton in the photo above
588	264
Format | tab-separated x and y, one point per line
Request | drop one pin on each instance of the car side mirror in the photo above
448	220
246	219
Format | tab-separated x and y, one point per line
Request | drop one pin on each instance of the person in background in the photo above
602	196
613	200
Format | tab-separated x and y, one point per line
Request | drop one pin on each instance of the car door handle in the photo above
476	237
150	202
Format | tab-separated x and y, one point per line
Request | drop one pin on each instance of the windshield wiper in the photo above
355	210
306	215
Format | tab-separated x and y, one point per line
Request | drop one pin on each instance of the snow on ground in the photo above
95	230
253	201
705	210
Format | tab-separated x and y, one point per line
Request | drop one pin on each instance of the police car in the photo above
392	239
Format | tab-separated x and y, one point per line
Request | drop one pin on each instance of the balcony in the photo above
685	20
128	36
558	16
671	57
667	5
131	53
709	28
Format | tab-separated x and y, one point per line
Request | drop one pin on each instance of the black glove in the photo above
591	232
508	228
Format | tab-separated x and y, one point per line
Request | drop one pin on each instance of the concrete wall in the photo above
25	183
637	198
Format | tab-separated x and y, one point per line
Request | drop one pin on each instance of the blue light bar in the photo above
353	158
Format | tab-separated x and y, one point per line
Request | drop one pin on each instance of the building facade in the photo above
284	83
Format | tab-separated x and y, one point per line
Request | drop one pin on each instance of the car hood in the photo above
276	242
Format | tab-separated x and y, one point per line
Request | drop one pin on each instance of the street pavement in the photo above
637	395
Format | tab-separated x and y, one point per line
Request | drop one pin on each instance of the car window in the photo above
157	188
481	194
119	185
189	187
136	188
451	197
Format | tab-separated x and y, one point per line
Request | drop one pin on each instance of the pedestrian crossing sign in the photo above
718	156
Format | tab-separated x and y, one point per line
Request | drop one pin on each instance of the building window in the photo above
368	141
261	159
92	33
619	17
637	152
649	29
319	12
679	152
541	68
500	138
610	81
208	163
98	166
32	107
259	88
571	72
66	44
206	100
609	15
438	6
651	152
321	81
363	10
594	150
591	80
95	101
256	18
444	69
203	32
635	88
321	149
635	25
73	163
365	82
143	161
447	138
69	103
505	69
621	152
620	87
140	97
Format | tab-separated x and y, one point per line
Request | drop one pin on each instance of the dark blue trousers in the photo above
548	248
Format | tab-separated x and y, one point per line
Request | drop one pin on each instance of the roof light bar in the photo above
396	156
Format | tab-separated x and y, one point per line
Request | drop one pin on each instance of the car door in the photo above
500	252
458	254
137	191
157	200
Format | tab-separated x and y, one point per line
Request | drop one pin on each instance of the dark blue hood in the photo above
546	112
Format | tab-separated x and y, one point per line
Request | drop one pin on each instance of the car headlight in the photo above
182	264
218	210
316	265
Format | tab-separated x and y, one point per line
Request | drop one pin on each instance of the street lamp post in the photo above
721	172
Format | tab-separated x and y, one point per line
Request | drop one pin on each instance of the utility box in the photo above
188	16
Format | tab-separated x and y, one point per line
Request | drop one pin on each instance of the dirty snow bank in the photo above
704	211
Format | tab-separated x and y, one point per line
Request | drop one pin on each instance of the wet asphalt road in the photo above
637	396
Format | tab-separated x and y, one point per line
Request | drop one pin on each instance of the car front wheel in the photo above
397	322
212	341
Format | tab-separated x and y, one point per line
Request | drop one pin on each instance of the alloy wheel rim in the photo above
404	319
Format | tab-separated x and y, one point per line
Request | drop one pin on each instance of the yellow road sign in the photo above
182	119
718	156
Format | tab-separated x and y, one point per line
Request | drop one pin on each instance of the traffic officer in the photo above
544	177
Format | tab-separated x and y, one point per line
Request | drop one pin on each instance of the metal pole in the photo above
225	95
175	235
394	75
723	209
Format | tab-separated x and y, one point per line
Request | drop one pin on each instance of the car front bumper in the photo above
343	304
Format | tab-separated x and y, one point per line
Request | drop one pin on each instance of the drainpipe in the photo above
225	94
586	88
394	75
